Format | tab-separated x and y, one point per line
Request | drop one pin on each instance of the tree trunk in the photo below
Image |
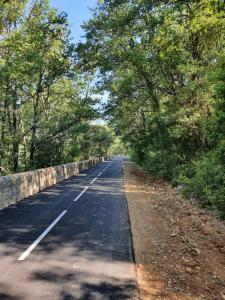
15	146
34	131
35	121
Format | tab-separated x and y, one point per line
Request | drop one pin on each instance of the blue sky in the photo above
77	11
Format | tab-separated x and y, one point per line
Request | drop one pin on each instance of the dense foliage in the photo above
162	63
46	107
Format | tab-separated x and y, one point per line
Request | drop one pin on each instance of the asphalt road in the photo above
70	241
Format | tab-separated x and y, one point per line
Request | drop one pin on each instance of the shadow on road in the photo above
87	255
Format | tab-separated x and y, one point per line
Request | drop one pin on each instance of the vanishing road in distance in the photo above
70	241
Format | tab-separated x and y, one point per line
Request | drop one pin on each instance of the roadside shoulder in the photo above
179	248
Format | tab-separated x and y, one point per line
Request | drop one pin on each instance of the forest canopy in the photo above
48	109
162	63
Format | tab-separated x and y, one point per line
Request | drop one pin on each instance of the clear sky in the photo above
77	11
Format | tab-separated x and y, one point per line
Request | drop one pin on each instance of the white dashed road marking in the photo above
24	255
37	241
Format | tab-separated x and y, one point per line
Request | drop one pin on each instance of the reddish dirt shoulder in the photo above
179	248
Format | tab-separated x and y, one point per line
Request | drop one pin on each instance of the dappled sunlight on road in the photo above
87	255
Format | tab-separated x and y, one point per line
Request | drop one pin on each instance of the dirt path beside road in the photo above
179	248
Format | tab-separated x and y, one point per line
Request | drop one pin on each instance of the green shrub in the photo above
204	180
161	163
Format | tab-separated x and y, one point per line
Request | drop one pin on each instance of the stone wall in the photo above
18	186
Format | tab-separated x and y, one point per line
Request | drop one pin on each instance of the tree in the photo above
155	59
44	101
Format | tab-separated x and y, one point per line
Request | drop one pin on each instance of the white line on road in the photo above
37	241
99	174
106	168
93	180
84	190
24	255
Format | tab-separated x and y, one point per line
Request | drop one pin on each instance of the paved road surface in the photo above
67	244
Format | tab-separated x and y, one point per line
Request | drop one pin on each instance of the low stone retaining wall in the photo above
18	186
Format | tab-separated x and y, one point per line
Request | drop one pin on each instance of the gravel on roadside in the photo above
179	248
